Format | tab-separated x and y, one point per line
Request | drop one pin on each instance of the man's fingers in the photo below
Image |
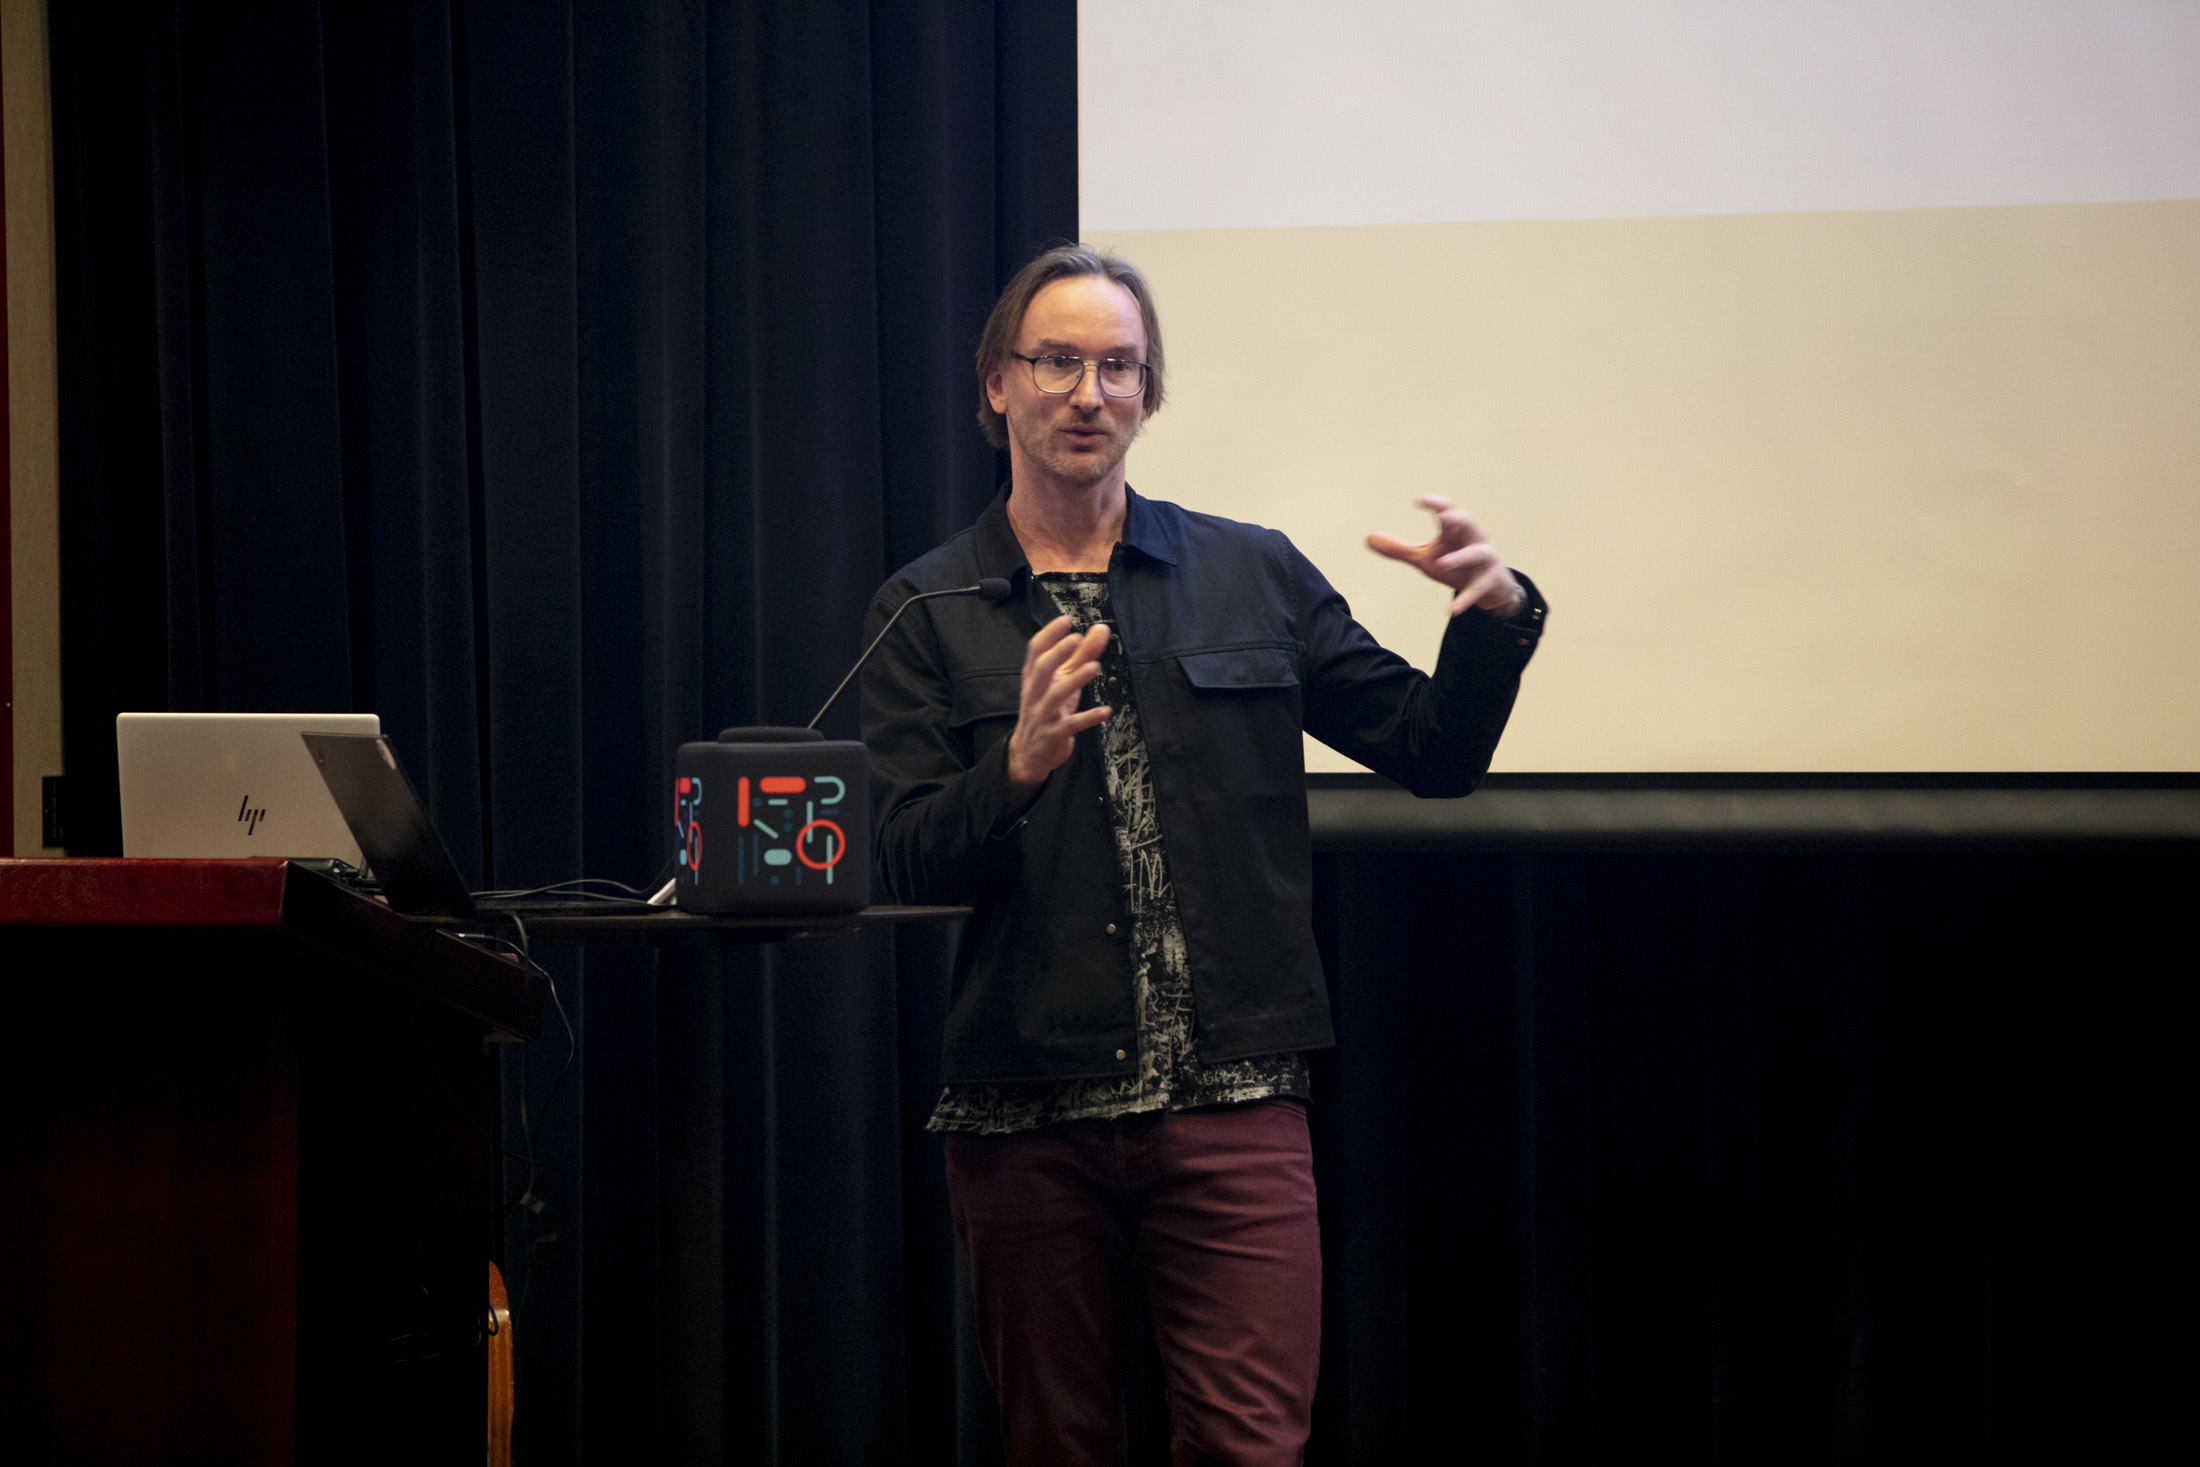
1460	556
1052	661
1459	527
1455	530
1083	669
1089	647
1481	588
1070	681
1058	665
1069	651
1470	595
1394	547
1058	695
1045	640
1461	563
1090	718
1452	523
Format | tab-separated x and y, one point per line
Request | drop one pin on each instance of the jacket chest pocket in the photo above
1241	670
982	709
1245	706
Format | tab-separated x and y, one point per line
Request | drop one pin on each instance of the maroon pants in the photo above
1211	1213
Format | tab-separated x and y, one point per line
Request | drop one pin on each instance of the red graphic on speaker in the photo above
836	845
687	823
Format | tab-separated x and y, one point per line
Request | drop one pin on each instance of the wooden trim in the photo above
274	897
142	893
500	1370
30	549
7	512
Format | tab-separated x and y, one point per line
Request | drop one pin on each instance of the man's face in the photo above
1079	437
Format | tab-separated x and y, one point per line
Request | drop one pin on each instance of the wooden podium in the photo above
247	1121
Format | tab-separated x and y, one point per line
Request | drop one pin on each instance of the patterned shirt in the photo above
1169	1074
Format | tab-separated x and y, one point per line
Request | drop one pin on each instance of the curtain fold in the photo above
1751	1157
558	381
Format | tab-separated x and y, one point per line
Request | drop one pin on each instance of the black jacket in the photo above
1235	643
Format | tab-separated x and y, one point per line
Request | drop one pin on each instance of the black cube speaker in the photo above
772	822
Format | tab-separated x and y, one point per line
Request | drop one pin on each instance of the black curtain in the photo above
1755	1156
558	381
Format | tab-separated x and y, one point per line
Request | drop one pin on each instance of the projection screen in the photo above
1834	366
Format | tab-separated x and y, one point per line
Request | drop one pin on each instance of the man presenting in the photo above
1108	768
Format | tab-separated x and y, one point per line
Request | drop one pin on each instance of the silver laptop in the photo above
231	784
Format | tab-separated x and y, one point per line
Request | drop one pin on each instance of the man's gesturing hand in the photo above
1057	665
1460	556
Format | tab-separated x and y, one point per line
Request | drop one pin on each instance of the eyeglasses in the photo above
1059	375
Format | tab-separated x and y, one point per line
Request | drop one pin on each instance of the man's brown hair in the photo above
1063	262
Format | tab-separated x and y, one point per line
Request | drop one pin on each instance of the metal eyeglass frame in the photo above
1084	365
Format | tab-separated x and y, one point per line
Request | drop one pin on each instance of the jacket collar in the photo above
1148	528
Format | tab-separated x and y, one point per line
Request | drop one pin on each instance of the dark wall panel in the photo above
1750	1157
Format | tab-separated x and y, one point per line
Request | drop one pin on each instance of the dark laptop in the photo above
406	853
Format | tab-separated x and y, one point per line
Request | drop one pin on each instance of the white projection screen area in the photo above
1833	365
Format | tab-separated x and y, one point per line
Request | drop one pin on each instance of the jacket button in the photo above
1122	1054
1111	933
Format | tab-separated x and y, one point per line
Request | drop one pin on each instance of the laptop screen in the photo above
230	784
401	844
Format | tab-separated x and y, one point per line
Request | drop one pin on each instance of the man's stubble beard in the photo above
1038	443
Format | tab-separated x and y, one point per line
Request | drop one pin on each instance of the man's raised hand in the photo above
1057	665
1460	556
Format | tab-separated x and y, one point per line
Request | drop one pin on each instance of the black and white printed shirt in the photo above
1169	1075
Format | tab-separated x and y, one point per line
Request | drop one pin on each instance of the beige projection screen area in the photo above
1835	371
